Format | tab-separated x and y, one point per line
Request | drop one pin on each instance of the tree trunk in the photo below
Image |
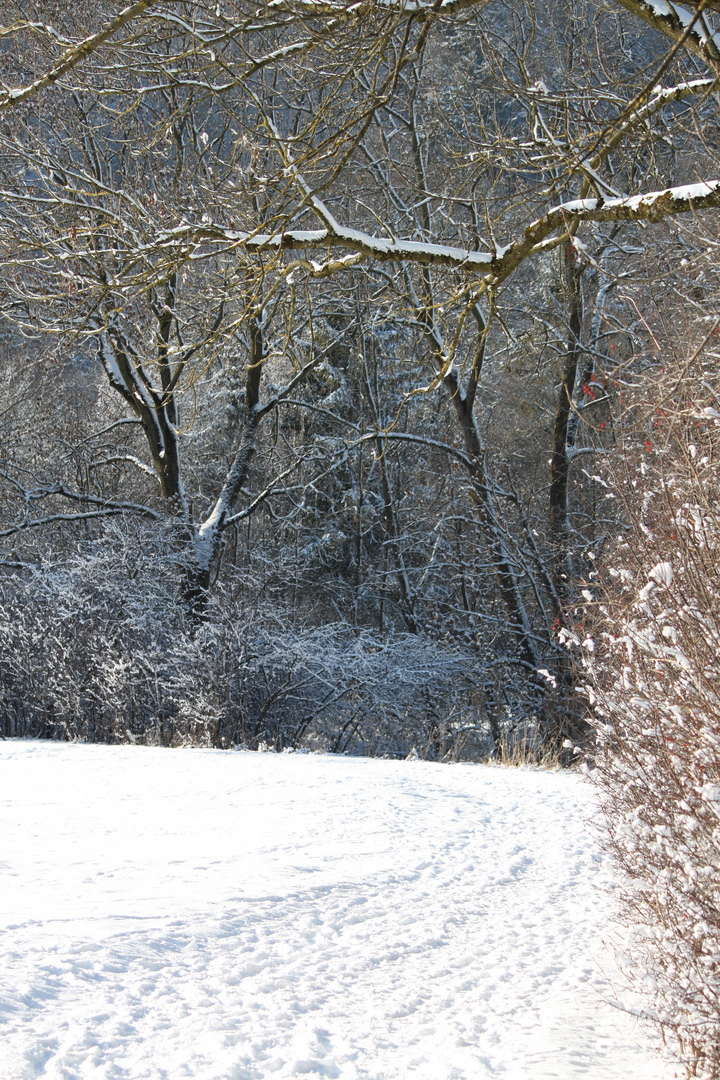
483	503
560	462
209	535
561	717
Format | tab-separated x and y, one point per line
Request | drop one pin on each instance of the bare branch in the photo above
74	56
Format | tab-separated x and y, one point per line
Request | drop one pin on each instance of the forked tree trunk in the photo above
199	545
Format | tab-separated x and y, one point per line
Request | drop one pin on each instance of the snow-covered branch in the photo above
109	510
678	21
651	206
73	56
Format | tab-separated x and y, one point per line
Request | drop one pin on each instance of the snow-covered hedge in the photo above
653	661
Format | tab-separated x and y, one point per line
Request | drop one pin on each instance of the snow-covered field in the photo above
232	916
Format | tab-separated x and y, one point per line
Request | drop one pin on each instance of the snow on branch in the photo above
108	511
357	10
381	248
662	96
652	206
421	440
678	21
73	56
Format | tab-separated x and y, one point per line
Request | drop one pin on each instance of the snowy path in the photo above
174	913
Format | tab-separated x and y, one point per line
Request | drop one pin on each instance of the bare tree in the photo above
184	184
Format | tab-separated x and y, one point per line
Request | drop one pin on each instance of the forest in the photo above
359	394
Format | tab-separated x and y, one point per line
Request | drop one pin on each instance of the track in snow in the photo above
236	916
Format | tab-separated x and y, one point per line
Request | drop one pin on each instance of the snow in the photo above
662	574
234	916
380	247
686	194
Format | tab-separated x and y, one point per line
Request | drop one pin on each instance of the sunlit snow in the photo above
232	916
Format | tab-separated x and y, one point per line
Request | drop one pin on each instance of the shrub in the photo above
652	663
98	647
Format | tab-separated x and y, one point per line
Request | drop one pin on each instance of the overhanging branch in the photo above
652	206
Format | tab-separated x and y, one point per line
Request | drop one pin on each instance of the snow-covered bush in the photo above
99	647
653	661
